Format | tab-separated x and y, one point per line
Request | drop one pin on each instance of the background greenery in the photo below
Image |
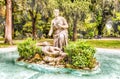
86	18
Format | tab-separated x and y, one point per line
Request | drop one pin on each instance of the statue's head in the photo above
45	43
56	12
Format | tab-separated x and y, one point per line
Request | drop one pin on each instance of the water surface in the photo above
109	68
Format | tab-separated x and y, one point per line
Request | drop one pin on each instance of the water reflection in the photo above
109	68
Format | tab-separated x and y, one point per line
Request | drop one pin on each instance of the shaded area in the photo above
109	68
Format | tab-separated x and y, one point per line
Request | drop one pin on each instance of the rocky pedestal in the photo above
53	55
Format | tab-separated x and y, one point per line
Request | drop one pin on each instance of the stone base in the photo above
58	69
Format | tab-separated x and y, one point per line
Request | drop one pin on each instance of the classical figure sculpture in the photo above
52	55
59	28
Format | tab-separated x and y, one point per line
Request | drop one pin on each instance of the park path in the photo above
108	39
8	49
108	50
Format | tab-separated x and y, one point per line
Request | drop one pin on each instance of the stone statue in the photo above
52	55
59	28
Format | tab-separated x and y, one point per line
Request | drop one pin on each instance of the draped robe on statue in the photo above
59	28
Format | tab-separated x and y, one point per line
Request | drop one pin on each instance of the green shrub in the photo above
80	54
28	49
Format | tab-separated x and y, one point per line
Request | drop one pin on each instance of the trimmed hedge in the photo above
80	54
28	49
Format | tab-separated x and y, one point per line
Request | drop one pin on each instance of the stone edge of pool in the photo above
52	69
8	49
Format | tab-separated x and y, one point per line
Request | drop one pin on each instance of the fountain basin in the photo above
109	67
51	69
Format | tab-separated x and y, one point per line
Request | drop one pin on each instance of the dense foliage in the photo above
80	55
28	49
86	18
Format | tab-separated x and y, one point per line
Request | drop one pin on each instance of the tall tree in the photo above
74	11
33	13
8	23
35	9
102	11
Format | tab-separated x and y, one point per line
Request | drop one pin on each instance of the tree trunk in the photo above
34	28
8	23
75	29
99	29
33	23
13	34
101	26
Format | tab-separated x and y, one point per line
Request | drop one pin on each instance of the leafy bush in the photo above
80	54
90	29
28	49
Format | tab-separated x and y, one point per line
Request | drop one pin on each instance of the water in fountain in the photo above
109	68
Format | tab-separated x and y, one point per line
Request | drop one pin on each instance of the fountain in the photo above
76	55
108	59
60	61
75	58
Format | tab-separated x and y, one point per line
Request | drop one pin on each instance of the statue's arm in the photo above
51	29
65	24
